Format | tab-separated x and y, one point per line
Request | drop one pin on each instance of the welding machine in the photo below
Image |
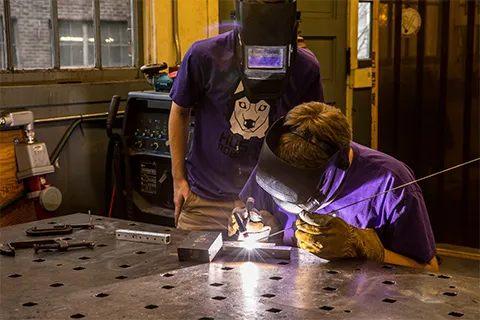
141	187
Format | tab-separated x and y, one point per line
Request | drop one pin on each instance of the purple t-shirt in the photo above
399	217
229	129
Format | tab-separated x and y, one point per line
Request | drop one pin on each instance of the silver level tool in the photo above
142	236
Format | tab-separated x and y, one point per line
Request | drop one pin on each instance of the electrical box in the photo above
32	160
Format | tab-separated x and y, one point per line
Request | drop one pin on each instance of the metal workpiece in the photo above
123	279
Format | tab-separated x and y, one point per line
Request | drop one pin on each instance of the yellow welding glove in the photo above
332	238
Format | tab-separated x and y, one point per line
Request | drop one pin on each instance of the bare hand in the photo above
181	189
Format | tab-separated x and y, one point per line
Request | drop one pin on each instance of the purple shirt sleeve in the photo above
314	90
188	86
410	233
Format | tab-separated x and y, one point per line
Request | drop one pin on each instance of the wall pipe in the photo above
175	32
76	117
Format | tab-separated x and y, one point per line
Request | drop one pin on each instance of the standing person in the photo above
238	84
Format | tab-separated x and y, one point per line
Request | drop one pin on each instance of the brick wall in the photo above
32	25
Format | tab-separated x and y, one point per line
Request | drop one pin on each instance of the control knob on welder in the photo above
154	146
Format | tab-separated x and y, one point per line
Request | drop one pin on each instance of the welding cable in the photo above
63	141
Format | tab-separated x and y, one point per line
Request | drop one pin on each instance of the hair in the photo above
321	122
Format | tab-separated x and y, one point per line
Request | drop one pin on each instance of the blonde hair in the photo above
323	123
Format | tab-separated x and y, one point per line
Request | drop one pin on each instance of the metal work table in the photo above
129	280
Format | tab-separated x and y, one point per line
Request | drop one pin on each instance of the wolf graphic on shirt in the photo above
249	119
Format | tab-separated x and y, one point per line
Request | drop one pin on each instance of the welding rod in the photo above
379	194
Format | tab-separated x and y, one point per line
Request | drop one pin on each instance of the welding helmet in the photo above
297	189
265	45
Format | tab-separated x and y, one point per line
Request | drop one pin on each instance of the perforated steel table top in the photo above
127	280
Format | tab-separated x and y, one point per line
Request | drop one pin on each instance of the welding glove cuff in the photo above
332	238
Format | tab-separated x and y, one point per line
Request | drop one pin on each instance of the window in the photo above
37	44
115	44
364	36
76	44
3	44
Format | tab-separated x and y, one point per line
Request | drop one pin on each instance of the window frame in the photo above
56	74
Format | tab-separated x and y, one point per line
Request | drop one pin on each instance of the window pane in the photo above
364	30
116	32
31	33
3	46
75	24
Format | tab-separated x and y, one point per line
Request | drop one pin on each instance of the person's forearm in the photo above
398	259
178	125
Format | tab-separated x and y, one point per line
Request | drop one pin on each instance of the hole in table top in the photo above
452	287
124	266
98	219
216	284
140	252
327	308
151	306
59	265
387	266
56	285
46	250
431	275
101	295
132	224
330	288
219	298
227	268
347	311
206	318
268	295
29	304
77	316
456	314
275	278
121	277
166	230
167	275
450	294
358	269
15	275
388	282
332	272
38	260
283	263
67	238
51	222
389	300
444	276
274	310
101	245
78	268
168	287
84	258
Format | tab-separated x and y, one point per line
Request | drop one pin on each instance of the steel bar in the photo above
142	236
98	34
55	34
7	16
467	109
441	124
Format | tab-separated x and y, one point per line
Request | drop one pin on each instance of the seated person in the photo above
313	178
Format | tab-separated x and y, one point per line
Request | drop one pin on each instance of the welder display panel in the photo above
265	57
